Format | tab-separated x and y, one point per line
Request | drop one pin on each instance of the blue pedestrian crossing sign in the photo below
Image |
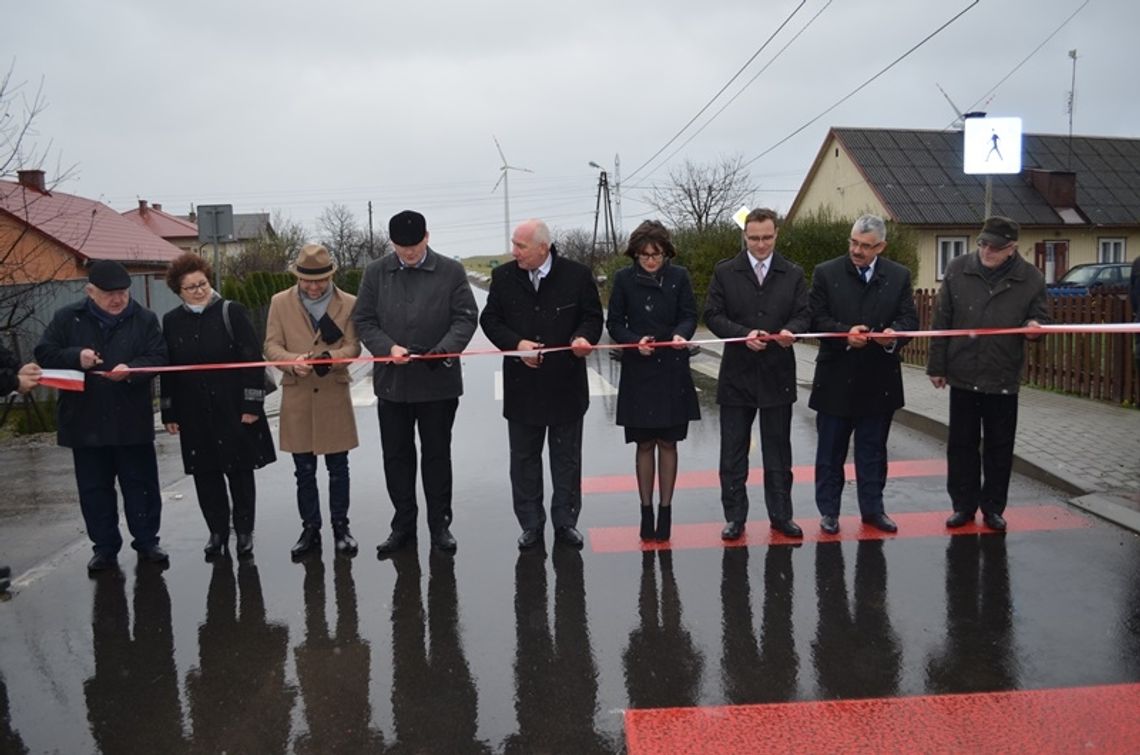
991	146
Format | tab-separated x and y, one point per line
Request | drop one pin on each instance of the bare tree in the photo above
272	251
342	235
578	244
703	195
27	259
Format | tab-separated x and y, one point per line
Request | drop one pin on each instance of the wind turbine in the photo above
506	191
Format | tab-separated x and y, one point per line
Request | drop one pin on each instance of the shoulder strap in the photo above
226	318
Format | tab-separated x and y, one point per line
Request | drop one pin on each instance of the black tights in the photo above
666	459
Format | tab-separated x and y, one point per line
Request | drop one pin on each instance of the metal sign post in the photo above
215	224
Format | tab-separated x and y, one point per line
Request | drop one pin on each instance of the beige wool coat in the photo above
316	412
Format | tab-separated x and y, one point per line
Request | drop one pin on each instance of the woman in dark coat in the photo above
652	301
219	414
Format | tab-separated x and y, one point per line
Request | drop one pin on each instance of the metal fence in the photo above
45	298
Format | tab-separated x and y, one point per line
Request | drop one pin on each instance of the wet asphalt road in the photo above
493	651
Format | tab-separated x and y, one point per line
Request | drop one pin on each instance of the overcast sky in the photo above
288	107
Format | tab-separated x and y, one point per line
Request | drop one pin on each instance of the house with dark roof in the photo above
49	235
1077	200
248	227
177	230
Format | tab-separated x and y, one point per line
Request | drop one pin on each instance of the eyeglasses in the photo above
650	255
863	246
196	286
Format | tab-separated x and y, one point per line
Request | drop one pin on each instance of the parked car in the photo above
1080	279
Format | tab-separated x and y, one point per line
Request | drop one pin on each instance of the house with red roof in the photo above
49	235
177	230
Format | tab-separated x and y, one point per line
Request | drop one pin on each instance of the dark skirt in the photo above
645	434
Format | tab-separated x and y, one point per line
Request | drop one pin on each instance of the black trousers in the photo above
982	430
136	468
215	504
870	460
526	442
398	423
776	446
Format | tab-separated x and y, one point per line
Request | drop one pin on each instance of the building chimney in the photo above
142	207
1057	187
32	179
157	206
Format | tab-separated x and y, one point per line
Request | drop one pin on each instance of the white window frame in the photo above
947	248
1111	249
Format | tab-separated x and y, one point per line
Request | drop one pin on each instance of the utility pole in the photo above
1072	101
371	252
617	191
608	229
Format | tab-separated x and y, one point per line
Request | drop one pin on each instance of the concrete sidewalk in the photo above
1090	449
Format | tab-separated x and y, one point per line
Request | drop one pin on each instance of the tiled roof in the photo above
88	228
918	175
162	223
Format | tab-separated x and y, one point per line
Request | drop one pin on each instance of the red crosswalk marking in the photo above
1038	518
1076	719
708	478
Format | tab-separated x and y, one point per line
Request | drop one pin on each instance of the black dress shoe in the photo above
444	540
787	528
568	535
829	524
344	541
994	521
155	555
102	562
959	519
245	544
215	545
881	522
732	531
396	541
529	539
310	539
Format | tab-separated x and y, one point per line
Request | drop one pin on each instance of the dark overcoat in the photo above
106	412
736	305
208	404
655	390
867	381
425	309
565	307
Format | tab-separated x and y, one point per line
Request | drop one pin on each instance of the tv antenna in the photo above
503	169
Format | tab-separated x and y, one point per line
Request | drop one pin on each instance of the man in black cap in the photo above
413	306
109	426
992	288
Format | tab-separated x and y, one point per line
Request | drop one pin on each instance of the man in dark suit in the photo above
540	300
760	296
858	380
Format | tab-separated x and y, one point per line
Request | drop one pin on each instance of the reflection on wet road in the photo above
612	649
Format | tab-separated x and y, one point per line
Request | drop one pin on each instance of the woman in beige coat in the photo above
313	320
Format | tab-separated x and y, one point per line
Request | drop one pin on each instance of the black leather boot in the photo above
215	545
345	542
244	544
310	539
647	532
664	523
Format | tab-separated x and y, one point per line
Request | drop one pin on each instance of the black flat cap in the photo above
108	275
407	228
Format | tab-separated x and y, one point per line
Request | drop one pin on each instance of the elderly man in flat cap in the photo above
109	426
312	320
413	306
993	287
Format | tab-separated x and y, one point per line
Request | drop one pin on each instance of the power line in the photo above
866	83
749	83
708	104
1027	57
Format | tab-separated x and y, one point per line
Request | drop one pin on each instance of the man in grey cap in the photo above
412	306
109	426
992	288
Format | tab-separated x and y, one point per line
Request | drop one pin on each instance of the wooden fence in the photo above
1097	366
